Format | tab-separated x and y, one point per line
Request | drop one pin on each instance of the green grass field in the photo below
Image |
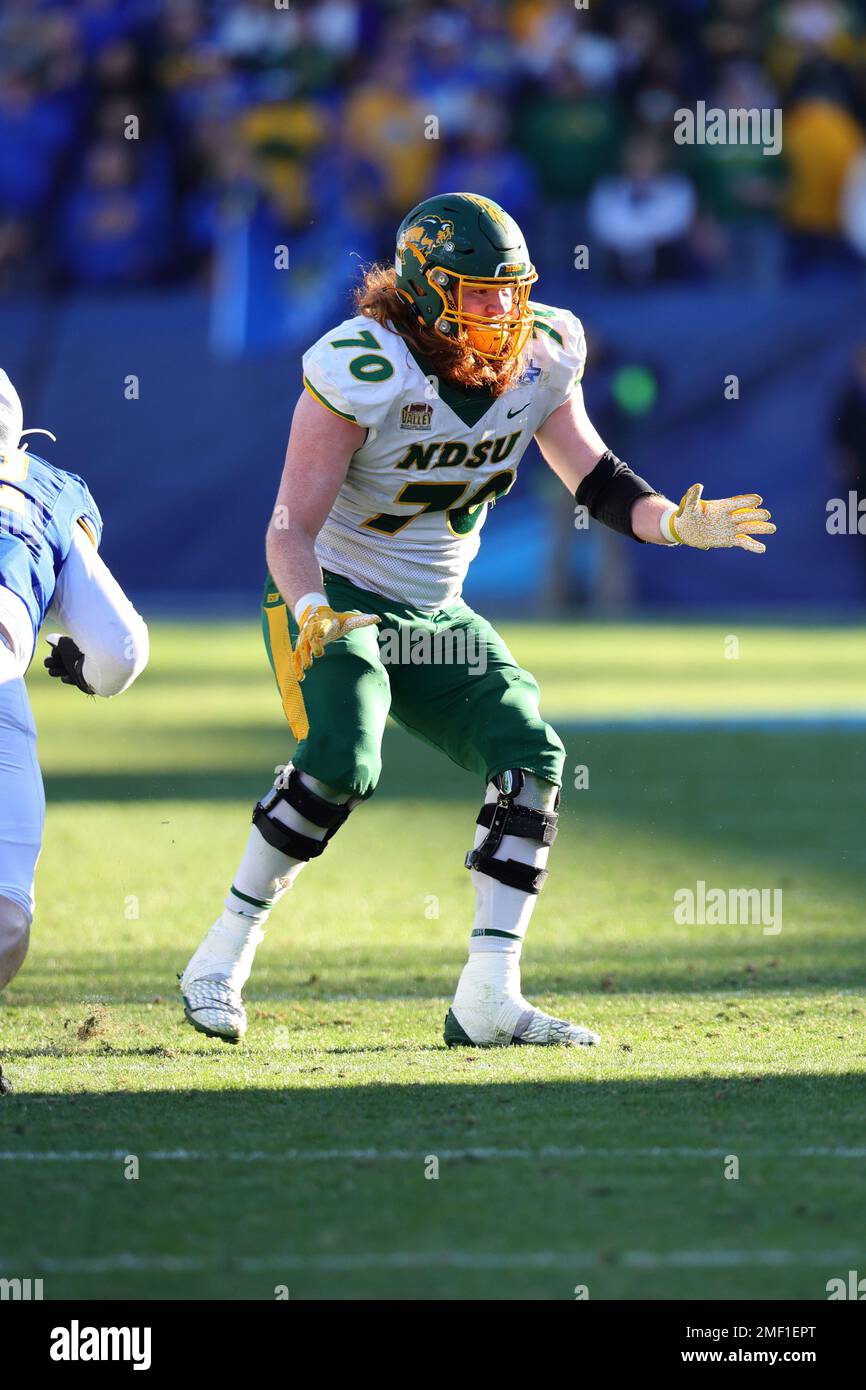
299	1159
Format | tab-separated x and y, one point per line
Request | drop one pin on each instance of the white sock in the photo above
491	976
495	973
502	913
264	875
227	952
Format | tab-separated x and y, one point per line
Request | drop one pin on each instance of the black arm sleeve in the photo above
610	491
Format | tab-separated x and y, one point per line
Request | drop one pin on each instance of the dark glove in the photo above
66	662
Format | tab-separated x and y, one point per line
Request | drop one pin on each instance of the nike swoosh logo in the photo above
512	413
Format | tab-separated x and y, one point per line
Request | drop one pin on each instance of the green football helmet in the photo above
457	250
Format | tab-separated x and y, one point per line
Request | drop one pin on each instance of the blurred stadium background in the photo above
153	153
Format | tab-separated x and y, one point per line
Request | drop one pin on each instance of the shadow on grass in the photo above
21	1054
771	1112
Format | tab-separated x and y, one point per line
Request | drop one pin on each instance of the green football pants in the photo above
447	677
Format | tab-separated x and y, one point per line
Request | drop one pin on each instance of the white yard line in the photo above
490	1154
572	1260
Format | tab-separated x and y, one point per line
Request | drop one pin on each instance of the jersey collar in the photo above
468	403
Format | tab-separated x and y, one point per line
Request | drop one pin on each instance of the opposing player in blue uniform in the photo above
50	529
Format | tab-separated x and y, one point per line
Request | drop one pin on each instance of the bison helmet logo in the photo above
426	234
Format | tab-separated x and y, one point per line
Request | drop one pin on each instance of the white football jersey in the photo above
407	521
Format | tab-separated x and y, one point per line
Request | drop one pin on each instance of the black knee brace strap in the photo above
503	817
326	814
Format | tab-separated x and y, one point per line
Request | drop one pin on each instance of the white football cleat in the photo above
490	1011
215	1008
514	1025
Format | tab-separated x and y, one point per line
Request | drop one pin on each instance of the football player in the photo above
414	418
50	529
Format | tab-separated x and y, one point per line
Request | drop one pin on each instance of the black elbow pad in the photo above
610	491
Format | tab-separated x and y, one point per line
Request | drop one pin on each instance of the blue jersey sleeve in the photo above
78	505
40	506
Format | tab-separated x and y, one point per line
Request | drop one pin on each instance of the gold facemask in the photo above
498	338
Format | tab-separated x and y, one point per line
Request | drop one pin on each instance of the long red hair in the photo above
376	297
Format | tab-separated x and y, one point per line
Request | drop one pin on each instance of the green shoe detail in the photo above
454	1034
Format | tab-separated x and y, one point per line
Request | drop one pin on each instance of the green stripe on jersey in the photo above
326	403
545	328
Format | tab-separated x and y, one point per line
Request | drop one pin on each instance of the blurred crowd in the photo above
133	132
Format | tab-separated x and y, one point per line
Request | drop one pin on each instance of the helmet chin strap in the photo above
486	340
494	340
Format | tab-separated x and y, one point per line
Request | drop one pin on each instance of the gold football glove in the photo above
713	525
322	625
